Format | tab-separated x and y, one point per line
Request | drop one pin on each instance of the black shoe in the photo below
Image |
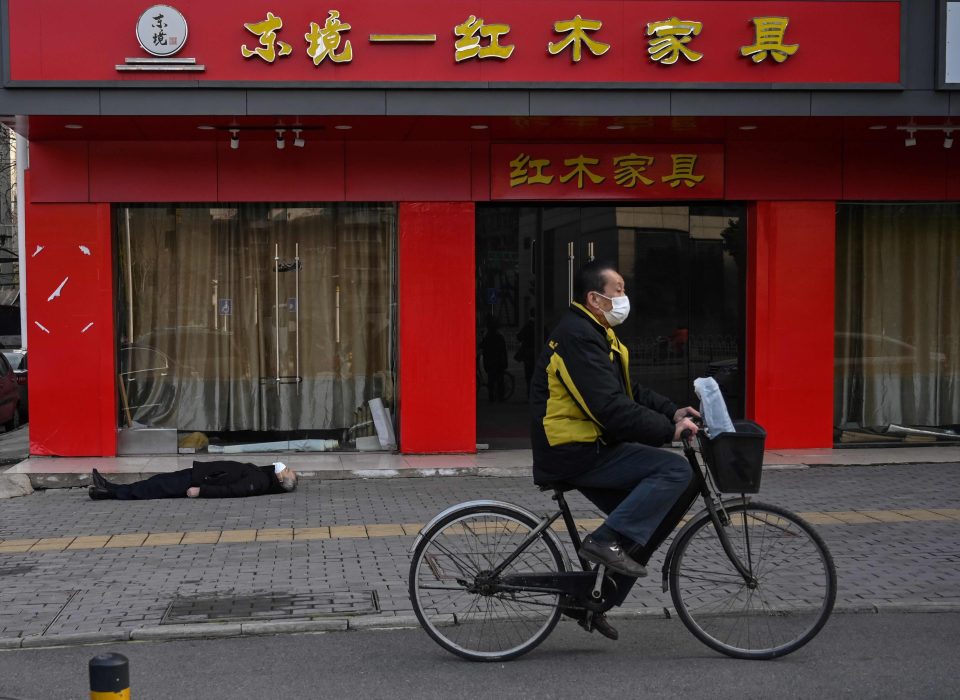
612	556
98	480
98	493
601	625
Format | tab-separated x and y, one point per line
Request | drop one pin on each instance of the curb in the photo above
341	624
44	481
54	480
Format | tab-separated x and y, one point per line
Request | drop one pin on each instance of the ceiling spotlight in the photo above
234	139
281	143
343	127
948	138
911	139
478	127
615	127
72	126
298	139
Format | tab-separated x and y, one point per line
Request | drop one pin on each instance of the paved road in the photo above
340	549
861	656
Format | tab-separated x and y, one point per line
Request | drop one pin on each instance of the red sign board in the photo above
458	41
606	171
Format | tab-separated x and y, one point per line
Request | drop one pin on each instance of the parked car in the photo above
9	395
18	361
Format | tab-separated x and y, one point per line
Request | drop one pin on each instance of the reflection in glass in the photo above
256	318
684	268
897	369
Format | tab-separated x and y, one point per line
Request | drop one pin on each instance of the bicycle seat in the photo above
559	486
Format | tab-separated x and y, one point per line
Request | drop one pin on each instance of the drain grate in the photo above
272	605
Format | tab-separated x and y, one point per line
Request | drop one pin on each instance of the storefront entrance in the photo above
684	268
257	323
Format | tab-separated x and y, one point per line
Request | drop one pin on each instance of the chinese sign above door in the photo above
606	171
460	41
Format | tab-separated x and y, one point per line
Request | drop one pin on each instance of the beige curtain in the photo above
256	317
898	326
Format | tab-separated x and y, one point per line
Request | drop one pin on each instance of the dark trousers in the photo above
172	485
644	491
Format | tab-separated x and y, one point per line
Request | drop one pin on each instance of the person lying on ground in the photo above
217	479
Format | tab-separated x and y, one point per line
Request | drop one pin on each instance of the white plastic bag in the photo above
712	407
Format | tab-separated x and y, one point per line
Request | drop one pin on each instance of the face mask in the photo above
621	309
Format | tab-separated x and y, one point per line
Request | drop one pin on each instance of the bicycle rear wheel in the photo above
468	614
790	601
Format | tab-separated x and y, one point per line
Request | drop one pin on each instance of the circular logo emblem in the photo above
162	30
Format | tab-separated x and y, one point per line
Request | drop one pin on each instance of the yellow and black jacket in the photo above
581	399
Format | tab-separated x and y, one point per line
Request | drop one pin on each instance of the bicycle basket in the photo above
735	459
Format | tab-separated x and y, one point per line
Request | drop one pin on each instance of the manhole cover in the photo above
270	606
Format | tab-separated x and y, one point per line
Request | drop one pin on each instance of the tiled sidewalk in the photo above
79	571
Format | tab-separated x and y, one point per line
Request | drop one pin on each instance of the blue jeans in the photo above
638	487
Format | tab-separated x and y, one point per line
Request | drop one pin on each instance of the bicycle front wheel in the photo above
784	606
463	608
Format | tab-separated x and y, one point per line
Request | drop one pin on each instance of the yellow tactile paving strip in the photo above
334	532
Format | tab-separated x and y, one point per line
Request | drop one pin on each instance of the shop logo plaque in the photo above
162	31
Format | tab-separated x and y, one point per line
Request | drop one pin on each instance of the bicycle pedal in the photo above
598	582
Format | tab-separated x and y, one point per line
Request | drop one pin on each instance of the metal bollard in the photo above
109	677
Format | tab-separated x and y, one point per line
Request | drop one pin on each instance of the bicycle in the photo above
489	580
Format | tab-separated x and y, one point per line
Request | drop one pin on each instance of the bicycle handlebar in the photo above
686	434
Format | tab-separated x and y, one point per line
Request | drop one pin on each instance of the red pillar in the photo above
70	330
436	327
791	322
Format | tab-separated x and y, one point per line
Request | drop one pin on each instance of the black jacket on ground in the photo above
229	479
581	399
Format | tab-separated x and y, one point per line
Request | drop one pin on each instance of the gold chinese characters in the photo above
628	171
669	40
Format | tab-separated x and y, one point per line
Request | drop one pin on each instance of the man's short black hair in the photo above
591	278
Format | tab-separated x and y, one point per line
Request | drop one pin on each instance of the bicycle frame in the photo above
711	500
570	582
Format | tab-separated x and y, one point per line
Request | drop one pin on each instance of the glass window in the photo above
257	322
897	369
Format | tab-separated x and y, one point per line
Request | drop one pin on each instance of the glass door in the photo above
684	268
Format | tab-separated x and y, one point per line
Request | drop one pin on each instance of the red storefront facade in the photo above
409	123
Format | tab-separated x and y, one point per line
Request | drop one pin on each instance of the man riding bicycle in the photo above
593	430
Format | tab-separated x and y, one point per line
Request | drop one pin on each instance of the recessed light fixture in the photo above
479	127
206	127
877	127
72	126
615	127
747	127
343	127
